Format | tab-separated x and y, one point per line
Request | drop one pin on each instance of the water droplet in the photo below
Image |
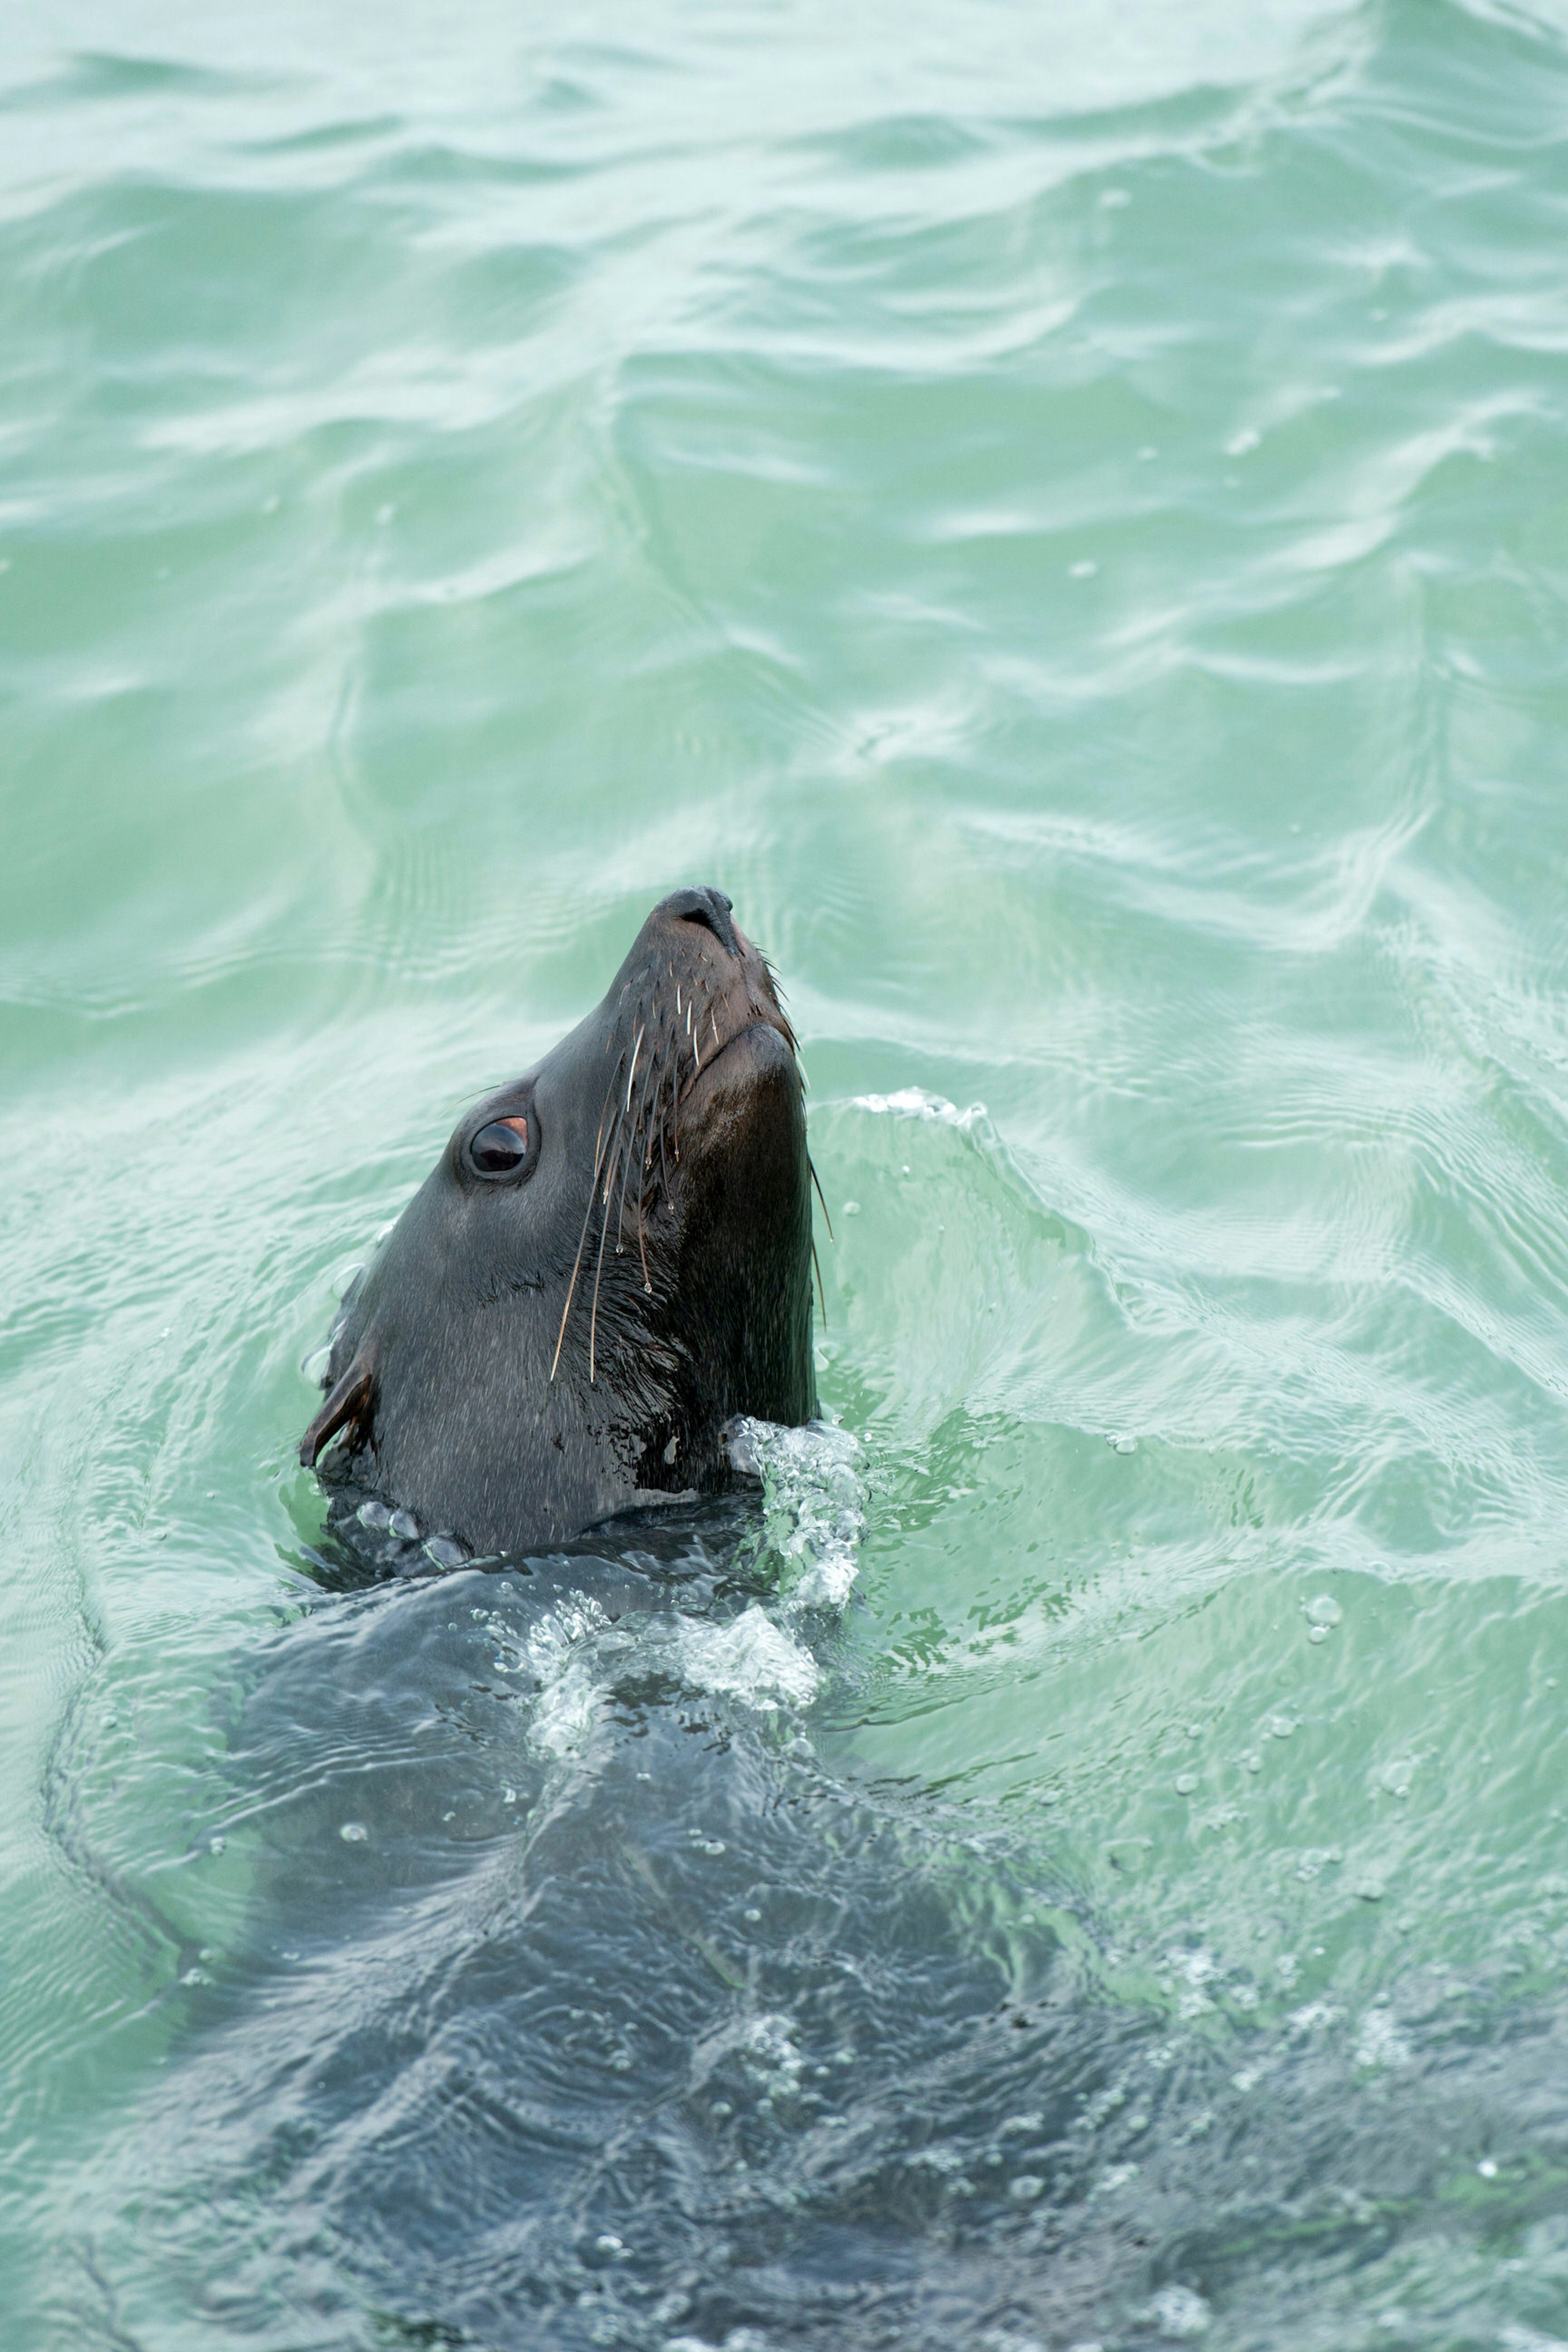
509	1796
851	1208
1241	444
216	1844
1146	453
1318	1633
1084	569
720	2110
353	1833
751	1915
1185	1783
1024	2188
1252	1763
1280	1727
1488	2167
1323	1611
1122	1445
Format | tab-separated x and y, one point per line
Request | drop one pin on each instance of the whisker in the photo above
663	1163
820	1292
630	1155
598	1270
812	1165
577	1260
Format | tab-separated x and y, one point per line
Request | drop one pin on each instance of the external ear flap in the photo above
349	1401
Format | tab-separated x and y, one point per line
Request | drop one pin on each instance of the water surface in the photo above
1060	514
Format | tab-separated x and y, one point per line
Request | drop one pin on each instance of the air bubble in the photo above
1085	569
1026	2188
1185	1783
353	1833
1323	1611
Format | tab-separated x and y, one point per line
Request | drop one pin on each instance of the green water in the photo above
1062	515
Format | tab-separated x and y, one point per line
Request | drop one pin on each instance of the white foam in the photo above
815	1499
914	1102
560	1654
750	1658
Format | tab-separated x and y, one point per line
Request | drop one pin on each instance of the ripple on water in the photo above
1052	520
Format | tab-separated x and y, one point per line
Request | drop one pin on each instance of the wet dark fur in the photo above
527	1357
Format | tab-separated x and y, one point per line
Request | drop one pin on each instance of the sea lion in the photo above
610	1258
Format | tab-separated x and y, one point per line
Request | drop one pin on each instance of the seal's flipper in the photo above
349	1401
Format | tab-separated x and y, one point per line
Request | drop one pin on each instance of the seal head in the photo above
610	1259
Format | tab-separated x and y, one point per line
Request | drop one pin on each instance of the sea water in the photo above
1061	512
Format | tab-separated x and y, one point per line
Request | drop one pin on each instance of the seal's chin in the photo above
756	1060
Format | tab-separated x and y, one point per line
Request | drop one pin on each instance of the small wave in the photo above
814	1502
914	1102
752	1659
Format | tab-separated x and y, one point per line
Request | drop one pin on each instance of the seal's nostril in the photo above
711	909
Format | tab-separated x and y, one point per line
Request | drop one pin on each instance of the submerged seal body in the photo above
610	1259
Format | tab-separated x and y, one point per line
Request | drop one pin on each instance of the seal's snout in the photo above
708	909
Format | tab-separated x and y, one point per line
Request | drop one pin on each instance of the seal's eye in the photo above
501	1148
